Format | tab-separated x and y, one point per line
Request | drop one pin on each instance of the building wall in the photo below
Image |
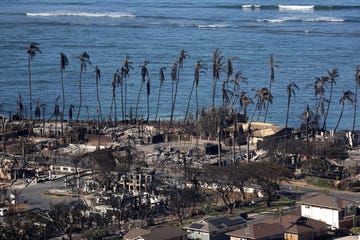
291	236
329	216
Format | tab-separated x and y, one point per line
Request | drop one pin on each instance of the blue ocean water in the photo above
306	40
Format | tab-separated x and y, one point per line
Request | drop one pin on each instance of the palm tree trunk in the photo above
341	114
80	103
30	92
355	104
188	103
328	106
99	103
138	100
158	103
125	97
213	92
63	102
111	107
123	104
148	107
197	103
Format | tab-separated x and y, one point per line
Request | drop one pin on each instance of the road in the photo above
35	195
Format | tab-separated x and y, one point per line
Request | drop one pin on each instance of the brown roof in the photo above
157	233
259	231
328	201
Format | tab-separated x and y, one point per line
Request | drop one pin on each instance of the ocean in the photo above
306	38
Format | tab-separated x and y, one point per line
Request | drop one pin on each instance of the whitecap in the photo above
213	26
296	7
324	19
82	14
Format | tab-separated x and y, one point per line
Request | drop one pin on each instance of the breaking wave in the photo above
296	19
82	14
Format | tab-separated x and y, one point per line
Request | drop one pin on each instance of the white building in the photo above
333	210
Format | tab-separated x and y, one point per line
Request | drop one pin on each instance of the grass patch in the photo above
319	182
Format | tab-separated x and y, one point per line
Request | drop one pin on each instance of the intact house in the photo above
291	226
335	211
214	227
165	232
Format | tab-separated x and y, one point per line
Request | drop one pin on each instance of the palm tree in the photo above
84	60
173	76
272	78
331	76
148	98
56	113
31	51
244	102
97	78
357	84
114	83
238	78
264	96
37	110
347	96
63	63
217	60
43	107
198	69
20	110
161	78
319	87
290	89
180	65
144	77
125	73
70	112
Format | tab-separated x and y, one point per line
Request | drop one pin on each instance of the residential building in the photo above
333	210
259	231
214	228
157	233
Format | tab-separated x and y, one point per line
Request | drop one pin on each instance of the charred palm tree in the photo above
331	76
198	69
63	63
43	108
264	97
180	65
70	112
319	85
114	83
31	51
347	96
84	60
56	114
161	78
272	78
148	98
217	64
173	76
290	89
37	110
238	78
225	94
125	73
144	78
245	101
357	84
21	108
97	78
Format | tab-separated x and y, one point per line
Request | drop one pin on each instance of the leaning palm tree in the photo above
63	63
31	51
264	96
84	60
97	78
180	65
357	84
272	78
161	78
238	78
144	77
331	76
347	96
43	108
198	69
217	64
